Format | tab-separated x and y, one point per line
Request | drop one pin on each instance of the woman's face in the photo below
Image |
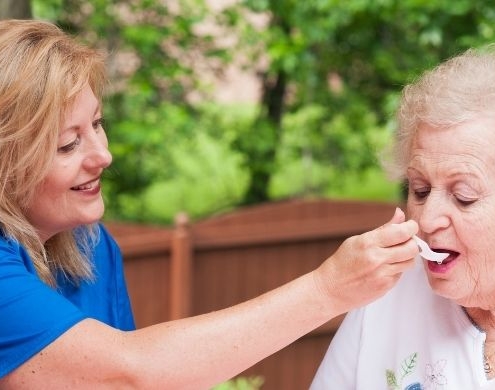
70	194
451	177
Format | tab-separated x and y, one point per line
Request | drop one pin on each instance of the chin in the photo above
444	288
90	218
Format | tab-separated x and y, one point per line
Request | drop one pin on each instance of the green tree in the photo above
347	57
331	75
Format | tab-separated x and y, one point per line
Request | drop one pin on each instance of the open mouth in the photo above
90	185
452	254
446	264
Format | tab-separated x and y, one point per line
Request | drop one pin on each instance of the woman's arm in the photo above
198	352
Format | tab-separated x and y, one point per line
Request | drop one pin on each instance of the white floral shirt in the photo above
409	339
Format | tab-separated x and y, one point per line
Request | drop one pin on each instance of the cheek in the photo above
50	191
474	234
412	210
41	199
480	247
59	179
477	229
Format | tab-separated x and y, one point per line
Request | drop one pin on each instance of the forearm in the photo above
198	352
230	340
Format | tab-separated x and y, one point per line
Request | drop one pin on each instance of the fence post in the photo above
181	269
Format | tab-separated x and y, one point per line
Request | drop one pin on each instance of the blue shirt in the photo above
32	314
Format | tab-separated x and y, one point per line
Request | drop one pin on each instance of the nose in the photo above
434	212
98	155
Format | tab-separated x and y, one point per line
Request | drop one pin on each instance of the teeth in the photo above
87	186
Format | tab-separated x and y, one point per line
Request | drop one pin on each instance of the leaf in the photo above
391	379
409	364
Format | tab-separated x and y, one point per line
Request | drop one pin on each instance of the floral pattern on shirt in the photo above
434	377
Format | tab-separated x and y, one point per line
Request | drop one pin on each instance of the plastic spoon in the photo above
427	253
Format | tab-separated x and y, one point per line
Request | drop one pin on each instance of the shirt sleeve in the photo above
339	366
32	315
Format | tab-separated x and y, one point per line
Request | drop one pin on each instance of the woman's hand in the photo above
366	266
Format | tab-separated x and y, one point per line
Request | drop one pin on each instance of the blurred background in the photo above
216	104
247	137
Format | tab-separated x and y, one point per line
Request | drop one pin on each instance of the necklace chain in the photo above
486	363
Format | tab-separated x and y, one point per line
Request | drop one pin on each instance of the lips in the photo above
88	186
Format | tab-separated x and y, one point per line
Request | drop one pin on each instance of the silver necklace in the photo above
486	363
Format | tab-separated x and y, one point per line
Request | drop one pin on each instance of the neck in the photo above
484	319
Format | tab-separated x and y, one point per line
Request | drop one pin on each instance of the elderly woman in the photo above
65	318
436	328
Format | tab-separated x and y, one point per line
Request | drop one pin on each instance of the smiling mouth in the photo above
87	186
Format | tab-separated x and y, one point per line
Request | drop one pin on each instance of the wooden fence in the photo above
195	268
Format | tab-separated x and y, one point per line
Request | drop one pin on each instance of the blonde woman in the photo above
65	318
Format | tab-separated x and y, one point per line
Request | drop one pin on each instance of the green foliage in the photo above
338	161
48	9
351	59
211	181
333	74
190	160
241	383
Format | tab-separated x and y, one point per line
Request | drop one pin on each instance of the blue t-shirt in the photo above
32	314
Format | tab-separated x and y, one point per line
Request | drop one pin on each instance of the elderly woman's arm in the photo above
198	352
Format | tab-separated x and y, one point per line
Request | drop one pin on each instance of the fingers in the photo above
399	267
392	242
395	232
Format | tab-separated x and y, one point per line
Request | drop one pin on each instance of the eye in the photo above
464	200
421	193
98	123
70	146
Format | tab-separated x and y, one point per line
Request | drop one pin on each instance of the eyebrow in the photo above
97	109
456	175
449	176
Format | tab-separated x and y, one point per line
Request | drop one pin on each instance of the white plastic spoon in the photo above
427	253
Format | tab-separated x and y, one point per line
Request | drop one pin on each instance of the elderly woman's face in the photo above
451	177
70	194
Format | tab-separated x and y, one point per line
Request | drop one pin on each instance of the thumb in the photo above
398	217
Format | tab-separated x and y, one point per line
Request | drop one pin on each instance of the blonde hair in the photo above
42	69
458	90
